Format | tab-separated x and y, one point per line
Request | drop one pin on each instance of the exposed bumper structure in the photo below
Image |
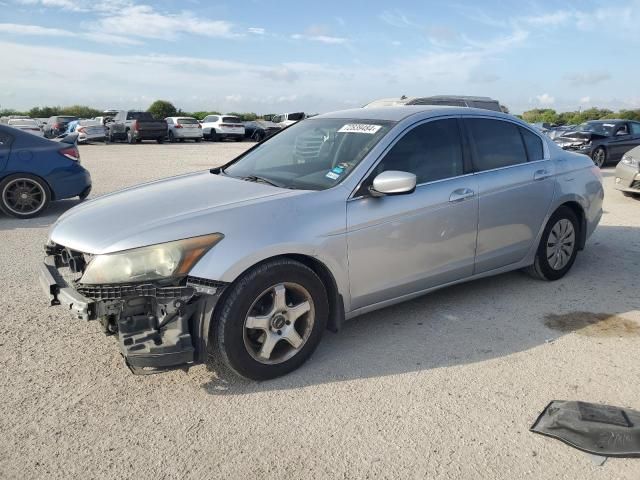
627	178
159	327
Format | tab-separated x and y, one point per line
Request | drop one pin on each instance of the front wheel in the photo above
271	320
160	139
599	157
558	246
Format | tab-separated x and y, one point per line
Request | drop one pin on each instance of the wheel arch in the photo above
52	193
336	302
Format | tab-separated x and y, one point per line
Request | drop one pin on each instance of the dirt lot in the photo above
445	386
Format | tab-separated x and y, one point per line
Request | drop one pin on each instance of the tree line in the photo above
159	109
548	115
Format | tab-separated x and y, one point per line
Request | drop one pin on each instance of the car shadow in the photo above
483	320
47	219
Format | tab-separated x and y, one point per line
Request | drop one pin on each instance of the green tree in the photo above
44	112
162	109
200	115
81	111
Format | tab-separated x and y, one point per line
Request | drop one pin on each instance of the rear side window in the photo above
497	144
432	151
532	142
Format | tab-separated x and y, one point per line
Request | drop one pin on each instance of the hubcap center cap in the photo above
278	321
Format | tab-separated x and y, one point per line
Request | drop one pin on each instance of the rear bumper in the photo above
149	341
70	182
149	134
185	133
231	135
627	178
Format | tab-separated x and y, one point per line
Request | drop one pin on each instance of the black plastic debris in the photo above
597	429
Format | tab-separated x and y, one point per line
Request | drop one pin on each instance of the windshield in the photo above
312	154
605	129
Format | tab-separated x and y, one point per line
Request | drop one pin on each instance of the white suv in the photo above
286	119
219	127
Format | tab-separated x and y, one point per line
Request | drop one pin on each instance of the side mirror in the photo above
393	182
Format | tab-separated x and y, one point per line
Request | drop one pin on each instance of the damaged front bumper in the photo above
159	326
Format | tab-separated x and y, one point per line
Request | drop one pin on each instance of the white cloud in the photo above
143	21
328	39
396	18
36	30
548	19
546	99
585	100
256	30
587	78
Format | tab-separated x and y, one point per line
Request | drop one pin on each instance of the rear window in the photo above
187	121
497	144
231	120
139	116
67	119
532	142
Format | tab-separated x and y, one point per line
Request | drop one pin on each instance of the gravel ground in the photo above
445	386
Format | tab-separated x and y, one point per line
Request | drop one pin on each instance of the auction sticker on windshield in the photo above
360	128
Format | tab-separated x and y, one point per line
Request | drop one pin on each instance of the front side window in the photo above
312	155
635	128
497	143
532	142
432	151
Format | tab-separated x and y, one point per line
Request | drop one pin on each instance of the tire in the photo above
198	140
547	265
258	137
213	136
14	186
160	140
131	140
599	157
172	137
631	194
252	298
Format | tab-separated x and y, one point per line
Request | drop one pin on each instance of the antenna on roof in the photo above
403	97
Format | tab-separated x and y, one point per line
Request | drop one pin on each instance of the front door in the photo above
402	244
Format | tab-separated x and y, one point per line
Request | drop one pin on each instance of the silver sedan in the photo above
336	216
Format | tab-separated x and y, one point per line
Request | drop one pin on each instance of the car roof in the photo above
400	112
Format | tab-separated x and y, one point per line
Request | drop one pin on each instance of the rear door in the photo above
516	185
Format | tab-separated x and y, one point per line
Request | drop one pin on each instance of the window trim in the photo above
545	149
467	165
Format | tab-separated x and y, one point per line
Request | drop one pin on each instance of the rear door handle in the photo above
461	194
541	174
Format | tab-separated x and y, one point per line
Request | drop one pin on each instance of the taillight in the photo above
178	125
134	125
71	153
56	125
81	129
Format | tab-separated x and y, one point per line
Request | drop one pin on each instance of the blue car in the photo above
35	171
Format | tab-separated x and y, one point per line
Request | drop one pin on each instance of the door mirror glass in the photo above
393	182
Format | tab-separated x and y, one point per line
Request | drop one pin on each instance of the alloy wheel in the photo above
279	323
560	244
24	196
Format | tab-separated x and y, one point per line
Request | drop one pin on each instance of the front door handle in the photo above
461	194
541	174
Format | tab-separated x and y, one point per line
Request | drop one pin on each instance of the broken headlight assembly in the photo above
631	161
154	262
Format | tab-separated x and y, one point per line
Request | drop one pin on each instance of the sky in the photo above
275	56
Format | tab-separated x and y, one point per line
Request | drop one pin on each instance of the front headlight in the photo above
631	161
585	146
165	260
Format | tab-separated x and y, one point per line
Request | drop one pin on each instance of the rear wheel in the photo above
198	140
24	196
558	246
213	136
160	139
271	320
599	157
258	136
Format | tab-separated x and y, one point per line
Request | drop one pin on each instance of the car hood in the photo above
157	212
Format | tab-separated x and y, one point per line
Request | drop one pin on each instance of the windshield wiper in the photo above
256	178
